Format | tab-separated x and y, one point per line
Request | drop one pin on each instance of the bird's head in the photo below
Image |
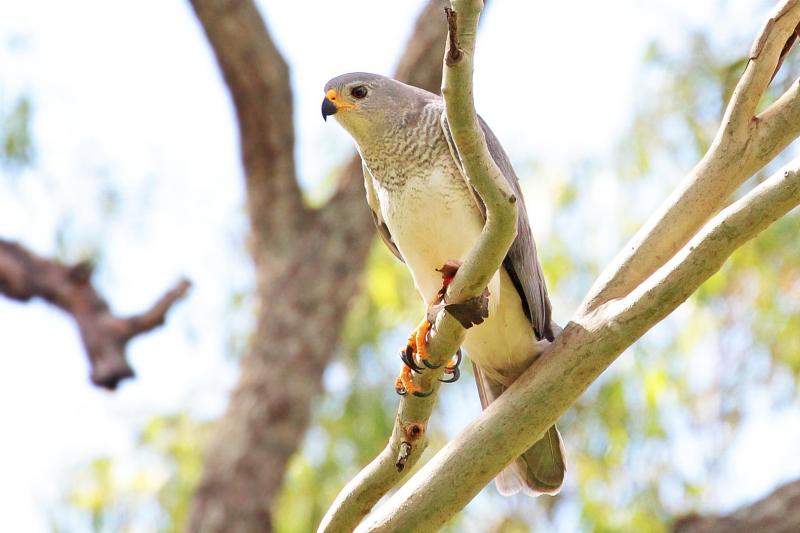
368	105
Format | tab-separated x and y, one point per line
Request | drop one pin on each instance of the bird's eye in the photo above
359	91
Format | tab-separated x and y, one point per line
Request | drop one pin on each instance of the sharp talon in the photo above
458	359
408	358
453	369
405	384
432	367
455	372
399	387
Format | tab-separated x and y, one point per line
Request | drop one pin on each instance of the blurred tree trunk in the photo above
308	266
778	512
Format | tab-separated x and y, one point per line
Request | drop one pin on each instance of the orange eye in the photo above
359	91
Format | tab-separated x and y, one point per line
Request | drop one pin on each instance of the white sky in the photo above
127	93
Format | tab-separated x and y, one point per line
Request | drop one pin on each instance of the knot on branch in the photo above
413	433
454	52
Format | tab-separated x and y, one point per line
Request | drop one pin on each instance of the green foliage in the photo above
150	493
15	135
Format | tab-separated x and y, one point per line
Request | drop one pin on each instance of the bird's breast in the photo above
432	219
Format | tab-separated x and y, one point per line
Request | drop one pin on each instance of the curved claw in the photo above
458	360
456	373
429	365
408	358
420	394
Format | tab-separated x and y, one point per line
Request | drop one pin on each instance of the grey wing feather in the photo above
377	218
521	262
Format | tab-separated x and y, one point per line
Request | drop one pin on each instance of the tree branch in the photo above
24	275
733	156
408	439
586	347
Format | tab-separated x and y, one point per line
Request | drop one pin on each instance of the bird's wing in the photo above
521	261
375	209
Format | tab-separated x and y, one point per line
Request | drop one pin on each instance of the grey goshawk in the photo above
427	214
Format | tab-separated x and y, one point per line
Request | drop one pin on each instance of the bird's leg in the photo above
405	384
449	271
416	351
409	351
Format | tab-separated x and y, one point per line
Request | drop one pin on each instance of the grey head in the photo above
370	105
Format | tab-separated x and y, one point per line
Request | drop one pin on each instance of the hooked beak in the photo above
332	103
328	108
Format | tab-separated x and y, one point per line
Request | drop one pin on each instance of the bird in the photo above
427	214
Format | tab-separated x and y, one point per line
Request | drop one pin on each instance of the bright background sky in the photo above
130	113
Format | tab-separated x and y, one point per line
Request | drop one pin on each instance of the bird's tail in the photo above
540	470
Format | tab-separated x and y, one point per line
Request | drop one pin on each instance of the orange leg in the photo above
416	353
405	383
421	340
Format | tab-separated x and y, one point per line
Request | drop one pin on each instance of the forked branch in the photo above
744	143
586	347
24	275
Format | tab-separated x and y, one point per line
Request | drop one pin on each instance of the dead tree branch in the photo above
24	276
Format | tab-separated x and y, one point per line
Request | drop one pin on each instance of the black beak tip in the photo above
328	108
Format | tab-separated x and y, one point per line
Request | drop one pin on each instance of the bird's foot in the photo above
415	353
405	384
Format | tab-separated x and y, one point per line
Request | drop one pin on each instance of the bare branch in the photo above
586	347
732	157
408	436
24	275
